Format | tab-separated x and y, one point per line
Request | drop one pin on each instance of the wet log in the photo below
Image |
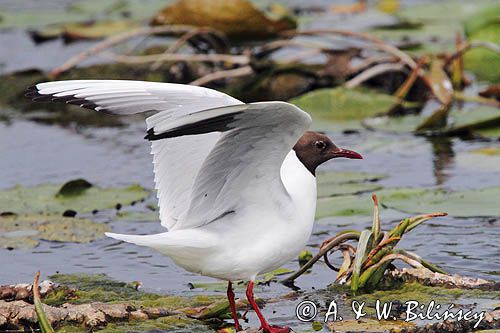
428	278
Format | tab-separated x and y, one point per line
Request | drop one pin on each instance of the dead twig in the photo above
228	58
372	72
224	74
379	43
114	40
180	42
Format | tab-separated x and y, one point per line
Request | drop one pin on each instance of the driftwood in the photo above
428	278
24	291
20	314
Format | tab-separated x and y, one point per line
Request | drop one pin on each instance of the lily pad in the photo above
330	190
480	202
238	19
484	26
343	183
44	199
346	205
86	30
481	120
25	231
342	105
347	177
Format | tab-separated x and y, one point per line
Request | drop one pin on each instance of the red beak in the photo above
340	152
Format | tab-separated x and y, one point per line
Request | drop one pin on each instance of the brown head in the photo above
314	148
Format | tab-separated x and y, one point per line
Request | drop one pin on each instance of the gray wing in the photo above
177	160
244	165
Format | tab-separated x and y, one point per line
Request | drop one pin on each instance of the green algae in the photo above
24	231
176	323
100	288
44	199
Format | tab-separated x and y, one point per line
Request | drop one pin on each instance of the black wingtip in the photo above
151	134
31	92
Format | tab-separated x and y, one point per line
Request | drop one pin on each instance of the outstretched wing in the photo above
255	140
177	160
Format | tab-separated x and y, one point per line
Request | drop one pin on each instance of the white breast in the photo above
301	185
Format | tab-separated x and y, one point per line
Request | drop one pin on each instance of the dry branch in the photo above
372	72
225	74
114	40
228	58
377	42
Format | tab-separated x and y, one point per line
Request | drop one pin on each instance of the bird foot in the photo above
277	329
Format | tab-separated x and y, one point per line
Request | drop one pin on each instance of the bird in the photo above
236	182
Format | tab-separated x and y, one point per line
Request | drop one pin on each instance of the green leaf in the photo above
43	199
43	322
361	252
480	202
344	105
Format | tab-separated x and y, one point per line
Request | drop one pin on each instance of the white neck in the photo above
300	185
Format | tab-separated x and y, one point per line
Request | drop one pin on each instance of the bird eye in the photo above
320	145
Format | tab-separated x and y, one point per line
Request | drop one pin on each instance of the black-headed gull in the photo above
236	182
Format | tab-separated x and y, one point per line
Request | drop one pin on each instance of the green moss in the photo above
24	231
100	288
176	323
44	199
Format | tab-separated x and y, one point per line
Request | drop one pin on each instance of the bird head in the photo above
314	148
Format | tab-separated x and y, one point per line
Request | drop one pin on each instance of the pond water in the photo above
33	153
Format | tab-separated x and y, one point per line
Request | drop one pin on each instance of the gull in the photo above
235	182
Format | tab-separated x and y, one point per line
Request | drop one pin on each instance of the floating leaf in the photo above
346	205
44	199
25	231
338	177
329	190
484	26
480	202
342	104
238	19
481	120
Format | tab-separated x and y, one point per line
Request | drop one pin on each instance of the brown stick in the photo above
225	74
180	42
232	59
379	43
113	40
372	72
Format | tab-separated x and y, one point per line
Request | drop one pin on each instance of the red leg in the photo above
264	325
230	297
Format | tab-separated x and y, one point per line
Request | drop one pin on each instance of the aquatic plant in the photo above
45	326
364	266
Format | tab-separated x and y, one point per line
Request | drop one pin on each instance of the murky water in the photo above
33	153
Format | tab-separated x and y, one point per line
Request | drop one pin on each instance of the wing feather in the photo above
176	160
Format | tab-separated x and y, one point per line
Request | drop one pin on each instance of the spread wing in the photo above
177	160
244	165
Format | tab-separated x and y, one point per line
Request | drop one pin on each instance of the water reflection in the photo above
443	157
